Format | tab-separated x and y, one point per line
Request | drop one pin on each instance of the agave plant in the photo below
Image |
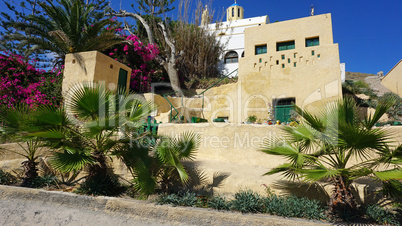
336	146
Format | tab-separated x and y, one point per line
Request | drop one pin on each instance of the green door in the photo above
282	113
122	81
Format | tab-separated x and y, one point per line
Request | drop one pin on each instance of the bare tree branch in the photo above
124	13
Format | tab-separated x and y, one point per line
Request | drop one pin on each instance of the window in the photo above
289	60
294	64
283	57
232	12
238	12
231	57
280	46
312	41
312	53
283	65
242	54
262	49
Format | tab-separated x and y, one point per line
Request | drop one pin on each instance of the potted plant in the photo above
251	119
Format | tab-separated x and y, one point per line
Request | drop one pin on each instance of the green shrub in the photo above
218	203
247	202
251	118
361	84
293	206
108	185
45	181
185	199
6	178
380	215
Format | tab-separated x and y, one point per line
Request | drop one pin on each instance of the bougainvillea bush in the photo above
141	58
22	83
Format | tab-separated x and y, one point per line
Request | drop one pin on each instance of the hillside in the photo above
372	80
355	76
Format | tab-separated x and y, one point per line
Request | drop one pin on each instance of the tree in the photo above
84	133
337	146
200	48
66	27
19	11
16	122
170	56
156	162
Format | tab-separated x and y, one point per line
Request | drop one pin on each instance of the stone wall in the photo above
229	151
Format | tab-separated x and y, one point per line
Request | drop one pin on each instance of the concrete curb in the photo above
143	211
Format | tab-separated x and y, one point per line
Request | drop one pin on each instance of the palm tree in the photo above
16	122
67	27
157	162
86	131
335	145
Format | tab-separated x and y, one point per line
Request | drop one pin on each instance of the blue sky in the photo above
369	33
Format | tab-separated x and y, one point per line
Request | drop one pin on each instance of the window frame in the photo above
264	50
312	41
287	44
231	59
291	44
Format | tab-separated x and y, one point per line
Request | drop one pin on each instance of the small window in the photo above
277	62
294	64
283	65
318	56
262	49
242	54
260	60
231	57
284	101
289	60
295	55
232	12
280	46
283	57
238	12
312	53
312	41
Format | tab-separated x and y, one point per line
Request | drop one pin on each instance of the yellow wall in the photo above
92	66
393	80
314	81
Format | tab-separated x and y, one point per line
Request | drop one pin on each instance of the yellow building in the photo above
287	62
393	79
94	66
